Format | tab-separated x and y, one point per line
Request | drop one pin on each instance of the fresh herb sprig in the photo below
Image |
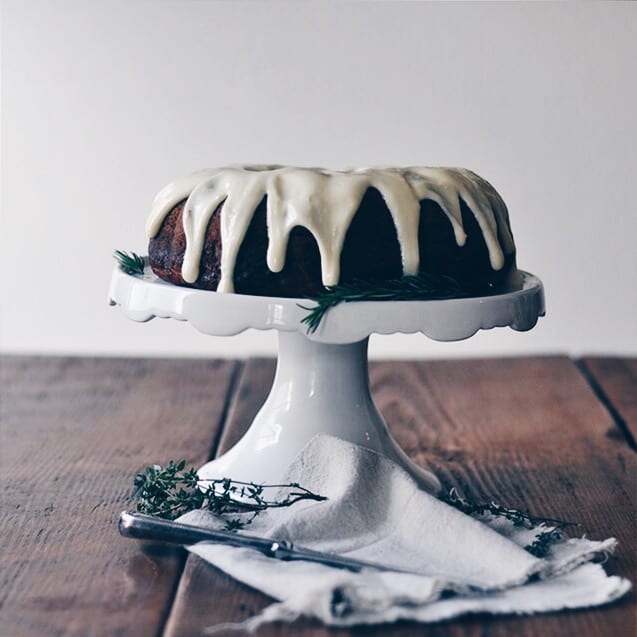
543	541
173	490
420	287
129	262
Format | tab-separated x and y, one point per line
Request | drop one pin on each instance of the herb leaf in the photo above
170	491
129	262
420	287
542	543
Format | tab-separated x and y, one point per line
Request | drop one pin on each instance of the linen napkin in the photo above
375	511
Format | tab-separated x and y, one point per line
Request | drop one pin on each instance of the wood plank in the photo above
615	381
74	432
531	434
526	432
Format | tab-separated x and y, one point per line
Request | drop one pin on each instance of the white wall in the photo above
104	102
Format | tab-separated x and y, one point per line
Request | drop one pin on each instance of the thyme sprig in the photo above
420	287
129	262
170	491
543	540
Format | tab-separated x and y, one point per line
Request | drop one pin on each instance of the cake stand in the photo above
321	383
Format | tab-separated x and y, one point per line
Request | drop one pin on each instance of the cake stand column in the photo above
318	388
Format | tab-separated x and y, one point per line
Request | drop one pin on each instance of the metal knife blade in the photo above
147	527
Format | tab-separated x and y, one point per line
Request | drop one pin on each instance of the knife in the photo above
147	527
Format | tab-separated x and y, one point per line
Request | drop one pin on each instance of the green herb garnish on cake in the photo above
420	287
129	262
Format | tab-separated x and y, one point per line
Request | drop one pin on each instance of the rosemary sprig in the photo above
171	491
543	541
129	262
420	287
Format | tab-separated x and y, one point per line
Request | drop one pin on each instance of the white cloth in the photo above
376	512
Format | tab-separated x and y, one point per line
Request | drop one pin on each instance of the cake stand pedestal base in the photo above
318	388
321	383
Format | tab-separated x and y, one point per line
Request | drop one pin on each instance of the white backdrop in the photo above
104	102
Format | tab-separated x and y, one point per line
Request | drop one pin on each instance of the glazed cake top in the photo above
324	202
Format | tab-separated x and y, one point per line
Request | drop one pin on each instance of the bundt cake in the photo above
292	232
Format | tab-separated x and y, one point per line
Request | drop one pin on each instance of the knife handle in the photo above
148	527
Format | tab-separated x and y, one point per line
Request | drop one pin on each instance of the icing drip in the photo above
324	202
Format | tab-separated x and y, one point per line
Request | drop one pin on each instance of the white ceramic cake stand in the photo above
321	383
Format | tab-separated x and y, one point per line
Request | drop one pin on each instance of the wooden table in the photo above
549	434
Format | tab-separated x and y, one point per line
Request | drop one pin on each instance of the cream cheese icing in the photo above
324	202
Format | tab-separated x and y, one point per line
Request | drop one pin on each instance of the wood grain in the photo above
74	431
528	433
615	380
